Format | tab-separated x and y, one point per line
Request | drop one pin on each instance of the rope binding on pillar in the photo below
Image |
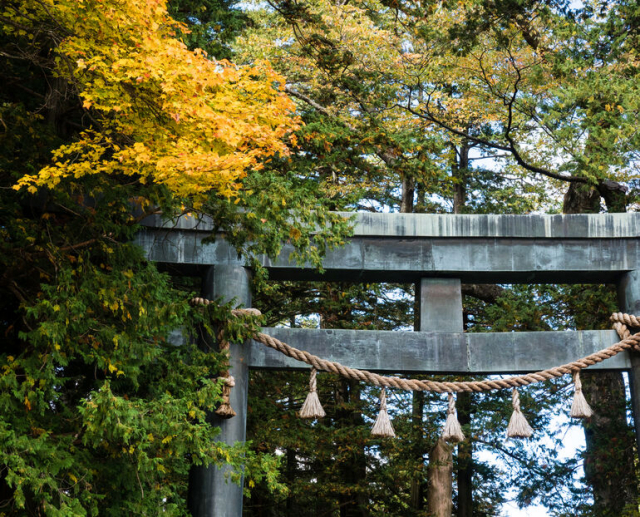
225	410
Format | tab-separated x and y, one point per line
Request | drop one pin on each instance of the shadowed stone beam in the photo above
408	247
440	352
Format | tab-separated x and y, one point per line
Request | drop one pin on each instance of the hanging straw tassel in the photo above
383	426
452	432
518	425
312	407
580	407
225	410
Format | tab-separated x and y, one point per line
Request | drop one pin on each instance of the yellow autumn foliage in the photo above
161	112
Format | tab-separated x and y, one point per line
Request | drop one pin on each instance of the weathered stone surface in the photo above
210	492
440	352
408	247
440	305
573	226
629	301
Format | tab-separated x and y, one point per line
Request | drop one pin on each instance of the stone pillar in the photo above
210	493
440	301
440	310
629	302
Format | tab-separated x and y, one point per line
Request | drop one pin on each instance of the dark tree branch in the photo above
511	148
314	104
486	292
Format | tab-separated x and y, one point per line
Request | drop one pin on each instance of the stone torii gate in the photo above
437	253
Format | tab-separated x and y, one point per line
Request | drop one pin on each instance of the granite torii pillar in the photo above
440	310
211	494
629	302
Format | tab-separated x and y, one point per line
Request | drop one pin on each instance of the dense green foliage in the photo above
213	24
99	412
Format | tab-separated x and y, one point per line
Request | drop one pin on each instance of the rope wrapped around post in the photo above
225	410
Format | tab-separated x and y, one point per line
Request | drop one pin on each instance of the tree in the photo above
213	24
189	123
412	96
106	117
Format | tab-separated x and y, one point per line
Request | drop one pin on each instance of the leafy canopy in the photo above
99	412
161	112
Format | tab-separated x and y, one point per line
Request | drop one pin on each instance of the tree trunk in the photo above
352	501
465	459
609	457
440	471
581	199
614	195
421	199
417	482
460	171
408	193
292	462
486	292
609	463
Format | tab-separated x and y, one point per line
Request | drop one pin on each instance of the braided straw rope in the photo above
234	312
621	322
518	425
225	410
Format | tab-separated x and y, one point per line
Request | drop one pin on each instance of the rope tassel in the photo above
518	425
312	407
225	410
452	431
383	426
580	407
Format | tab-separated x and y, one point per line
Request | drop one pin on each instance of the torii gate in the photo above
437	253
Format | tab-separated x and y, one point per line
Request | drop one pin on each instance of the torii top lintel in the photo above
594	248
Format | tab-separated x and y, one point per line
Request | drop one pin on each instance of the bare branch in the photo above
314	104
493	145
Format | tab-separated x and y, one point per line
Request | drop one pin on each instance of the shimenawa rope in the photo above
620	325
518	425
